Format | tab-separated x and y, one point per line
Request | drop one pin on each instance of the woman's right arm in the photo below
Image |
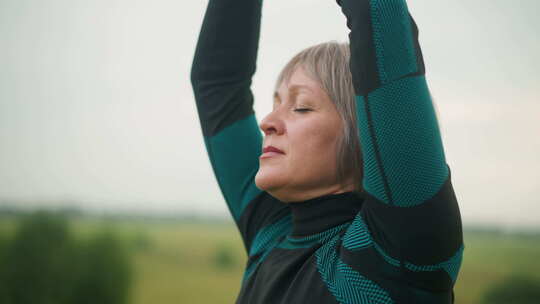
408	236
221	73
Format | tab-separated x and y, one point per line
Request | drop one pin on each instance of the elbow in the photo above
196	72
194	76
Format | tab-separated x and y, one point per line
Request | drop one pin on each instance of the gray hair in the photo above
328	64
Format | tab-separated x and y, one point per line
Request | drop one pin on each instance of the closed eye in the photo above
302	110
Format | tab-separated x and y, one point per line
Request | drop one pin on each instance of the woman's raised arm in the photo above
223	65
410	220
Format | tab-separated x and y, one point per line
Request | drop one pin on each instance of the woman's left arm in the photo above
410	224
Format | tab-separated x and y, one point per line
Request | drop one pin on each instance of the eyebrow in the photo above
293	88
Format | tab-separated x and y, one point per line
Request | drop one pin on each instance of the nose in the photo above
272	124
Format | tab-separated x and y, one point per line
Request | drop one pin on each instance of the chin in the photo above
267	181
261	181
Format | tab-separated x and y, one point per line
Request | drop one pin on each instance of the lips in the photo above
272	149
270	152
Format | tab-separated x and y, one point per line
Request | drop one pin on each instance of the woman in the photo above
321	221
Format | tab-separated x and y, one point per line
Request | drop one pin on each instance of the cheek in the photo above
314	147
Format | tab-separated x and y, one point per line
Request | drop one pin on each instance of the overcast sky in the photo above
96	105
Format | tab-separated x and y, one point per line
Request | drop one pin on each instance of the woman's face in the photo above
305	125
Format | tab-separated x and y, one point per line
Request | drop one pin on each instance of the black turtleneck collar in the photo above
324	212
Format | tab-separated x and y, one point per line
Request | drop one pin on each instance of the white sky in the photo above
96	105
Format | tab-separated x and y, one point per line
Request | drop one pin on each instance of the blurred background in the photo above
99	131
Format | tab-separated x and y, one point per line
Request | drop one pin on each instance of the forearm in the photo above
224	62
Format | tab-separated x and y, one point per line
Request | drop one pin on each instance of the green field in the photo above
202	262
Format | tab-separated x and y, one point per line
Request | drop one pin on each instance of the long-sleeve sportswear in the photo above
400	241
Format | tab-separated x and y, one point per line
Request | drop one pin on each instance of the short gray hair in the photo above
328	64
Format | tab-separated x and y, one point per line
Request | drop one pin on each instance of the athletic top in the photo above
400	241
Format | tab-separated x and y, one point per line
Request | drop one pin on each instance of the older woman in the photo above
347	198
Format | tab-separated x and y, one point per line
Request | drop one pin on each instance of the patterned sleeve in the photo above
408	233
222	68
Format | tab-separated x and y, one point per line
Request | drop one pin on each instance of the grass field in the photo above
179	262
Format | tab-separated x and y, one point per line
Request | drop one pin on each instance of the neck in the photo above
322	213
301	195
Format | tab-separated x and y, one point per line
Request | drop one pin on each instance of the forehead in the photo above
294	89
296	83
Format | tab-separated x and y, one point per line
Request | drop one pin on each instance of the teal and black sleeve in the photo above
222	68
410	221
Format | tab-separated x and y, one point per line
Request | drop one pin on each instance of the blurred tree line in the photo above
42	263
515	289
